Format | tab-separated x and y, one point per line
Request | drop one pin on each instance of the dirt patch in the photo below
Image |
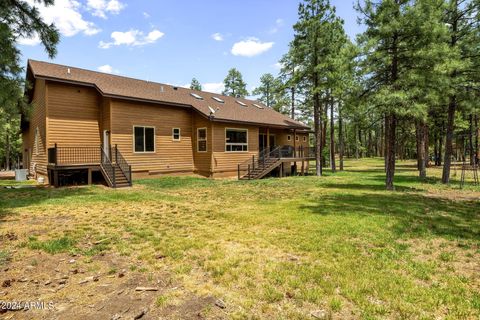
102	287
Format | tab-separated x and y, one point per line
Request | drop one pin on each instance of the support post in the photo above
56	154
238	172
89	178
130	174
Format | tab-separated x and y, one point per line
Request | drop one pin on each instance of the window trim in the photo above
297	138
144	140
304	138
206	140
289	137
236	144
179	134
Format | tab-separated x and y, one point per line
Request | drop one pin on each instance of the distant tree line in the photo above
408	87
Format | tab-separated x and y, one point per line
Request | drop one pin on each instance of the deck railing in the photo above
73	155
266	157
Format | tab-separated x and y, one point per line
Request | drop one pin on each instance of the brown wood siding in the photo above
202	160
37	147
169	156
228	161
73	115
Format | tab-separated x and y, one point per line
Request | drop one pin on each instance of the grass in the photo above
280	248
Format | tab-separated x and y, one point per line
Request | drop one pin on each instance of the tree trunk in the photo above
421	156
324	128
340	137
471	141
477	136
332	137
447	161
427	144
318	134
7	145
390	146
440	146
293	102
357	147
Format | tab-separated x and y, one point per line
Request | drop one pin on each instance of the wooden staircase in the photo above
117	172
262	169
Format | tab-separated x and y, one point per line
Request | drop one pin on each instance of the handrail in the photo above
108	166
263	160
123	164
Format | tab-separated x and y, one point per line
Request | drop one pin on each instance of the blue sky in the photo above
172	41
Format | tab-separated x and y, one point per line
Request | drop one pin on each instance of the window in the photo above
202	139
241	103
196	96
218	99
297	138
236	140
289	138
176	134
258	106
144	139
304	138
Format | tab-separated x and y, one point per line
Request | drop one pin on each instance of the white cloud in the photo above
131	38
217	36
146	15
278	24
215	87
251	47
66	16
33	41
108	69
278	66
100	8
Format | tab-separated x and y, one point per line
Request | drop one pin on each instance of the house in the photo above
87	125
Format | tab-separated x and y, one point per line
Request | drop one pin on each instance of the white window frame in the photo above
179	134
235	144
144	140
206	139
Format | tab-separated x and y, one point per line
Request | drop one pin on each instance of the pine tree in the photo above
401	37
271	92
318	39
461	17
234	84
19	19
195	85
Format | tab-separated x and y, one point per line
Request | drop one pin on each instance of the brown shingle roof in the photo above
122	87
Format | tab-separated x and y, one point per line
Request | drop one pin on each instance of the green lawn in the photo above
273	248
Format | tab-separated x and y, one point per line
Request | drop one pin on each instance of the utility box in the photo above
20	174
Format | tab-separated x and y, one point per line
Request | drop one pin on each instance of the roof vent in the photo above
175	88
212	111
161	88
241	103
218	99
258	106
196	96
68	70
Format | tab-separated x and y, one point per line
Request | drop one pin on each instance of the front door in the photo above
106	142
262	141
272	141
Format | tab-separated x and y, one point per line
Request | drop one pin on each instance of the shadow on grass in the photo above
17	198
413	215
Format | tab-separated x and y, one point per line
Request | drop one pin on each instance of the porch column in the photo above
268	138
